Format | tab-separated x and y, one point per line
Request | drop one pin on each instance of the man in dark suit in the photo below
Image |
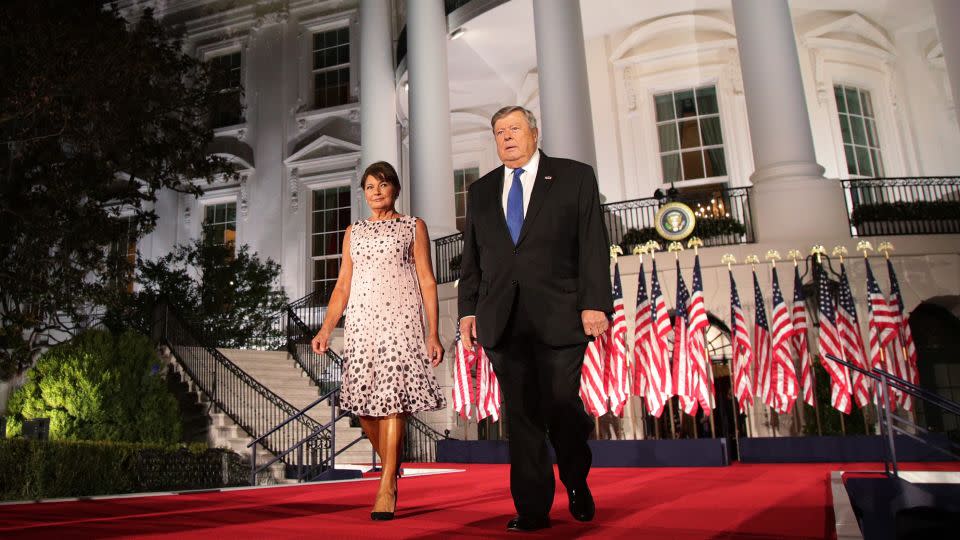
534	290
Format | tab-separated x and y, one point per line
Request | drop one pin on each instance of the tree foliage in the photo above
99	386
96	115
230	296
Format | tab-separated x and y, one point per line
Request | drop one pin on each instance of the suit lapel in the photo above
541	187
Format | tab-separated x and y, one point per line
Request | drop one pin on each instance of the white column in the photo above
567	129
948	20
790	199
431	160
378	93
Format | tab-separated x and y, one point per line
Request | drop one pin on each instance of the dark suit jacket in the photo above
559	267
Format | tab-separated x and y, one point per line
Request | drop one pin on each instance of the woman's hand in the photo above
434	350
320	342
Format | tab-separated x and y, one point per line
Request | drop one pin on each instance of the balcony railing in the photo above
903	206
723	219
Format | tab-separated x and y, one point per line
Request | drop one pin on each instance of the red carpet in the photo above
740	501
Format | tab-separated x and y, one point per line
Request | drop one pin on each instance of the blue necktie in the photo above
515	206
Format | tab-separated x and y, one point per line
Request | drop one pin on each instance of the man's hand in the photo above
594	322
468	331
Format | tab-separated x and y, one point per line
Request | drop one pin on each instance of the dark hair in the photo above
382	170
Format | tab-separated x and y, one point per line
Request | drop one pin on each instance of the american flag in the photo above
784	377
703	376
883	314
881	323
462	389
851	339
683	371
487	394
829	343
616	372
907	354
799	316
488	391
641	336
761	347
660	377
742	350
592	391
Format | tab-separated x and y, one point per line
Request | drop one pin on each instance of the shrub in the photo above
99	387
48	469
905	210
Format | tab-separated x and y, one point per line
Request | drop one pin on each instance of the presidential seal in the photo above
675	221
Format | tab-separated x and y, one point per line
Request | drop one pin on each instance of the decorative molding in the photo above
890	83
186	214
630	85
823	92
733	73
244	205
648	31
853	23
241	134
270	12
294	189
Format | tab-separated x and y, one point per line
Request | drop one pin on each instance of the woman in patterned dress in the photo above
386	285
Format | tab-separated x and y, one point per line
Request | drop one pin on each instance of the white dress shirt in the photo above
527	179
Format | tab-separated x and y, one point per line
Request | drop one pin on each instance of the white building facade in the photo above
786	98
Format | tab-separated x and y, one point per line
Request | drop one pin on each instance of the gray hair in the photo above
506	111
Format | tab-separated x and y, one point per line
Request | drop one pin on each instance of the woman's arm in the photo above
338	299
428	290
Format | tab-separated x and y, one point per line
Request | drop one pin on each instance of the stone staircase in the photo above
278	372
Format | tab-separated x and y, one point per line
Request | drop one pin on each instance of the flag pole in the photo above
817	251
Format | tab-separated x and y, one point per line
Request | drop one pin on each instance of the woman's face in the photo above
380	194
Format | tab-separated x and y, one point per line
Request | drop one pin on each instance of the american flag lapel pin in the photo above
548	178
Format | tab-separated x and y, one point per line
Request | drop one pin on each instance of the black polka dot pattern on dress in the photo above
387	369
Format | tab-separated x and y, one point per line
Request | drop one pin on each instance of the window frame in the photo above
676	120
204	224
346	19
209	57
462	195
312	258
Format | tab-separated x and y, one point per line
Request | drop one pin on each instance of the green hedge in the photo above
99	387
706	227
912	210
50	469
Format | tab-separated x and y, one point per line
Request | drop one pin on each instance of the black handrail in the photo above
253	407
903	205
887	426
724	218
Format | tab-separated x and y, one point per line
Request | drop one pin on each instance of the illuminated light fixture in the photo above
459	32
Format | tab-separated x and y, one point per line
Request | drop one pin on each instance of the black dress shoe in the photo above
528	523
581	504
381	516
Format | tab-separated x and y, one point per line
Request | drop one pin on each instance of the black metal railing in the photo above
252	406
892	424
446	255
722	219
903	206
326	371
420	442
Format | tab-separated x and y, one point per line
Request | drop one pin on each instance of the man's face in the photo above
516	140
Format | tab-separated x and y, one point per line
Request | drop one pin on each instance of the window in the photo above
462	178
859	129
691	142
124	247
225	77
331	215
331	68
220	224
